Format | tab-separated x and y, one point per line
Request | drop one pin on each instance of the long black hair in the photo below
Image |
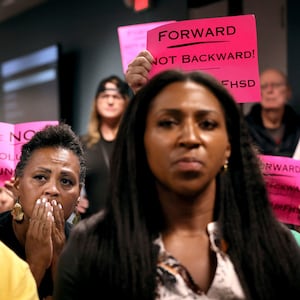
117	250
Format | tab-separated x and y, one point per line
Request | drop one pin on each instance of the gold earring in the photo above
225	166
17	212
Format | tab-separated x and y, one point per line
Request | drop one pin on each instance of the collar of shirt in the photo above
175	282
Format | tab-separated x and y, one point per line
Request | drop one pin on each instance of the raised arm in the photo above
138	70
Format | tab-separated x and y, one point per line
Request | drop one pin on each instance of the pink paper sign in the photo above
225	47
12	138
282	177
133	39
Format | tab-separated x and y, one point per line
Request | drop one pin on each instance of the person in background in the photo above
111	99
16	279
46	186
273	124
6	199
188	215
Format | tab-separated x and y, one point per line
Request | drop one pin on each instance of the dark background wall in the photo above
87	34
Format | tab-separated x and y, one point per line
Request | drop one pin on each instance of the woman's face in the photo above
52	173
185	139
275	92
110	103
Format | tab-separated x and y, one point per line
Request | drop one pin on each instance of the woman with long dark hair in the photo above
188	215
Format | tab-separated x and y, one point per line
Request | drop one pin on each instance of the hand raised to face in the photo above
38	243
58	228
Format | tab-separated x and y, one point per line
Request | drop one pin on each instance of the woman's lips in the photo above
189	164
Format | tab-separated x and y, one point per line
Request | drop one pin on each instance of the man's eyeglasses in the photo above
106	96
273	85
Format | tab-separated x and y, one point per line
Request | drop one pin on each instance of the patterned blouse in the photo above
174	281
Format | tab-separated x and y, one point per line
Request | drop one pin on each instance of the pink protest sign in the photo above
12	137
225	47
133	39
282	177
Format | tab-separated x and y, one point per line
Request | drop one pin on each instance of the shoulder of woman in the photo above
296	235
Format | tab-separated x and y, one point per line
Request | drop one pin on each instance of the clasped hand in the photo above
45	237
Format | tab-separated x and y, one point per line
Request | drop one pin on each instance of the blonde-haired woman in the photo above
111	99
